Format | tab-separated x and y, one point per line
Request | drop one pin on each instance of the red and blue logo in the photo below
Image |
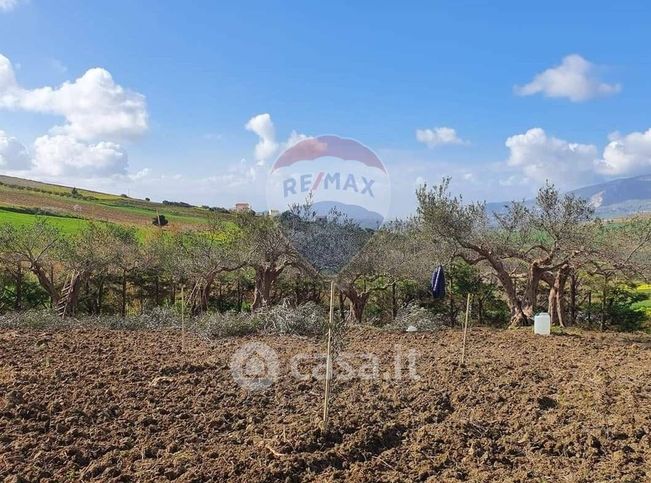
333	173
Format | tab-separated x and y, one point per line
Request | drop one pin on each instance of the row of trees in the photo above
550	255
153	265
557	241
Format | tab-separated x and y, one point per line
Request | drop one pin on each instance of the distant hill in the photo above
363	217
613	199
69	207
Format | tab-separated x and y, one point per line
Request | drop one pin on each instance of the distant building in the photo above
239	207
274	212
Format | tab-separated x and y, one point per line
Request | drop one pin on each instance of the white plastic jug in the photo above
542	324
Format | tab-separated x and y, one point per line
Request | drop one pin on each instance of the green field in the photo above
67	225
69	208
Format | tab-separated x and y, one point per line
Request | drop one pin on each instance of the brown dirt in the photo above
122	406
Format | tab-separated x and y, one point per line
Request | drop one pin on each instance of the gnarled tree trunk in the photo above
556	299
358	301
518	315
264	280
46	282
202	298
531	291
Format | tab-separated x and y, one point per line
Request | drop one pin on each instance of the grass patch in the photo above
66	224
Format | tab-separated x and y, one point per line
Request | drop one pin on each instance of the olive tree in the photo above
36	246
393	253
206	254
128	257
88	253
267	251
524	243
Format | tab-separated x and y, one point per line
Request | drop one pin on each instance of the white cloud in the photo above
97	112
7	80
575	78
142	174
94	106
62	155
267	146
13	155
7	5
264	128
237	175
628	154
540	157
438	136
294	138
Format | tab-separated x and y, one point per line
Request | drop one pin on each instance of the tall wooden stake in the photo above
182	318
465	330
328	374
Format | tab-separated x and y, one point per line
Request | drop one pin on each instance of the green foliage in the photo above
32	295
24	218
625	309
643	306
488	308
621	311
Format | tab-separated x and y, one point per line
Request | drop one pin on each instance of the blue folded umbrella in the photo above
438	283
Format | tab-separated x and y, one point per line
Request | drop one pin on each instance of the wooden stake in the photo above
465	330
182	318
328	374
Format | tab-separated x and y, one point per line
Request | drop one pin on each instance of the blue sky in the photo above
565	82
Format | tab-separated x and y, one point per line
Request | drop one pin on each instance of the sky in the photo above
193	101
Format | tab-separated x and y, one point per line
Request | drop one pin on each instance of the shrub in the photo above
33	319
228	324
308	319
160	220
419	317
158	318
181	204
305	319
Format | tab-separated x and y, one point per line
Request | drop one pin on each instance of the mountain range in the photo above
612	199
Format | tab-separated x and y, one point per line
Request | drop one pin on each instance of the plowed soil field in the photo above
130	406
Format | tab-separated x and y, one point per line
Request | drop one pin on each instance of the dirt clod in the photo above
130	406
